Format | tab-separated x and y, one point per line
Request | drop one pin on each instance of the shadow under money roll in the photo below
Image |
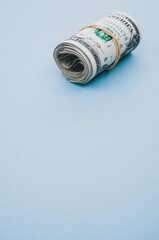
97	47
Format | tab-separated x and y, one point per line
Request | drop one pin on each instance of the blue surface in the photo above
77	162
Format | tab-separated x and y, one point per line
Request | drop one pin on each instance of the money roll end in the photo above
73	63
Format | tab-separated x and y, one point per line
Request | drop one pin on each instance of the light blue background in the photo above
77	162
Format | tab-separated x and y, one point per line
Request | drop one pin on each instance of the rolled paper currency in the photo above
97	47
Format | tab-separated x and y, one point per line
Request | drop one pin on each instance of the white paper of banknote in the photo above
91	51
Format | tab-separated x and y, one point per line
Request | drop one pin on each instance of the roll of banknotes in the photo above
91	51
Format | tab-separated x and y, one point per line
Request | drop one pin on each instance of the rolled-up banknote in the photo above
97	47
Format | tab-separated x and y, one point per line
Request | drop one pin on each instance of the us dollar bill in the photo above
91	51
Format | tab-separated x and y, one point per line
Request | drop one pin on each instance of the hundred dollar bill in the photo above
91	51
